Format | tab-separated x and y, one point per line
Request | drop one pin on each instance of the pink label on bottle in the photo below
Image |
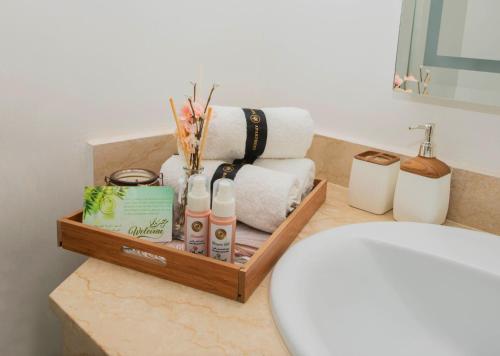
197	234
220	242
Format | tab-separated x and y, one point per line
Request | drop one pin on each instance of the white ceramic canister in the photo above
373	181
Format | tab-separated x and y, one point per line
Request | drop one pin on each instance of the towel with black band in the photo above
256	139
244	135
264	197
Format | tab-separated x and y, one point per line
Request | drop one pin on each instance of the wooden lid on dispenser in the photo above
427	167
383	159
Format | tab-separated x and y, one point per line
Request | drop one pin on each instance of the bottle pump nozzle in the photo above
198	197
223	202
426	149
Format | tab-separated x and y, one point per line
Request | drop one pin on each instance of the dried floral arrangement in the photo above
192	127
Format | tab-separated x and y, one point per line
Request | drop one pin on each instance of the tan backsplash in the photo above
475	198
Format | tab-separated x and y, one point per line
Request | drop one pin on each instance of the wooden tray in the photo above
222	278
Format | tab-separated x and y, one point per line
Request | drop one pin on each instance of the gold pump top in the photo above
426	147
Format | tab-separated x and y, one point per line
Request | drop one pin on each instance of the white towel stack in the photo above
270	187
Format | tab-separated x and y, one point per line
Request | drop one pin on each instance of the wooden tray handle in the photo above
144	255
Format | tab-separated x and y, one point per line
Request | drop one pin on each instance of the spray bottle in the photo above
196	226
222	221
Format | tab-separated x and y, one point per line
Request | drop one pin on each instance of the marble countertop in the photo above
108	309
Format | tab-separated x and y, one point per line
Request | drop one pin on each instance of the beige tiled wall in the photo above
475	198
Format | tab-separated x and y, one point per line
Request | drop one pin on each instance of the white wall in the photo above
71	71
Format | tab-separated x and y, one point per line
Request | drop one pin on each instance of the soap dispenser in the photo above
423	187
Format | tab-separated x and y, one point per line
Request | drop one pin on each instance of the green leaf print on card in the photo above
102	199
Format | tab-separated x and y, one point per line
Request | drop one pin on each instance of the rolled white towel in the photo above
285	133
303	168
264	197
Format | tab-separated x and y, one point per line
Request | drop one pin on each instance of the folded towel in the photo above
237	133
303	168
264	197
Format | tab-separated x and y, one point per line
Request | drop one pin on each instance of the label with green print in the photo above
142	212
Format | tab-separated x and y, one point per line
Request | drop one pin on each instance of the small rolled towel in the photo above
237	133
264	197
303	168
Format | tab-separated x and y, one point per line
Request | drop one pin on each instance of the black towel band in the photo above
256	135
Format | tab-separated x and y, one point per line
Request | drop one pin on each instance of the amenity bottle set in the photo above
210	232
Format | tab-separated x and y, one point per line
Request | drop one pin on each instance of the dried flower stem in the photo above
193	115
205	133
180	131
209	98
194	90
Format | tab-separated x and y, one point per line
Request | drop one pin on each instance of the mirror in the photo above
450	49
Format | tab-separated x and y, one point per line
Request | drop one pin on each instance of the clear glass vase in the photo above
181	202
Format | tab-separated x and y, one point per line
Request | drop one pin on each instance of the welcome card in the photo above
144	212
